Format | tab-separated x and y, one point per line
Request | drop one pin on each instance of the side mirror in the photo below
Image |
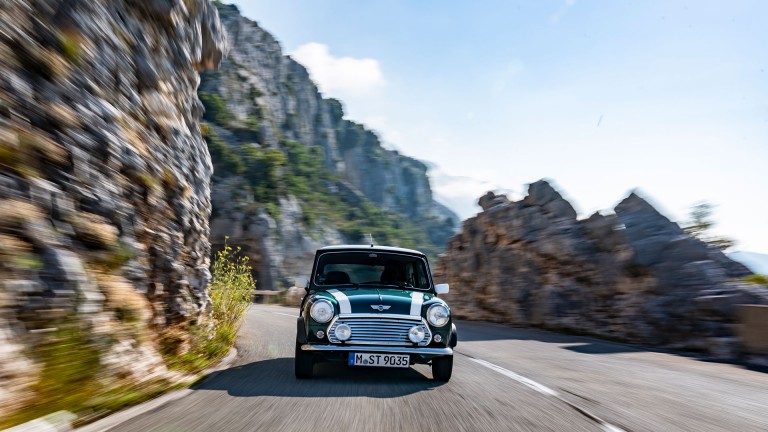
441	288
306	286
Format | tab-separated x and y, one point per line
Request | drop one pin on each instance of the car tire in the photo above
442	368
304	363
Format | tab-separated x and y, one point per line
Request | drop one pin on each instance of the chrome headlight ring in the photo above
321	311
438	315
417	333
343	332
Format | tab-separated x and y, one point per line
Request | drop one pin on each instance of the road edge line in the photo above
541	388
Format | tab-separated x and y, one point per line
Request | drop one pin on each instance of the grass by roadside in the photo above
207	343
74	378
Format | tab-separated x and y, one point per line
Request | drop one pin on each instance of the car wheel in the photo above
442	367
303	363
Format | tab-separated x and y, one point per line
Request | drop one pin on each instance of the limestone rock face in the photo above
632	275
270	101
104	179
281	251
542	195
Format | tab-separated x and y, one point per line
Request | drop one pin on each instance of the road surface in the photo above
504	379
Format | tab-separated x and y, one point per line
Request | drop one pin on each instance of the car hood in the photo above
380	300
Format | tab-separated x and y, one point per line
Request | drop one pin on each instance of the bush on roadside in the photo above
231	287
230	292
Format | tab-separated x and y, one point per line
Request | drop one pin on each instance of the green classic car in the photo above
374	306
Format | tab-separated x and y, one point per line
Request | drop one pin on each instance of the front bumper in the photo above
379	349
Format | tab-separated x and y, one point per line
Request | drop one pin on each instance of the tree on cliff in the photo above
700	224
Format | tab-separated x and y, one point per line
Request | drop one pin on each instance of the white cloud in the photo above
461	192
342	76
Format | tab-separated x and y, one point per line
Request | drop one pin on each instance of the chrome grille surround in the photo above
379	329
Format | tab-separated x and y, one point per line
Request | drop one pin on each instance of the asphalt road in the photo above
504	379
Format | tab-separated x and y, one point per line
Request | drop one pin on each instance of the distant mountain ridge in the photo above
757	262
291	174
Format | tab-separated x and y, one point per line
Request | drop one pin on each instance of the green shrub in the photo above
215	108
230	292
250	131
757	279
230	287
336	110
223	155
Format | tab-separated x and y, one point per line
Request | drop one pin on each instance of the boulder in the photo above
543	195
293	296
490	199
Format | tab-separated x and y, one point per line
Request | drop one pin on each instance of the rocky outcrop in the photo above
281	250
260	100
633	275
104	186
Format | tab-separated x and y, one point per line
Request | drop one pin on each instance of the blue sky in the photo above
601	97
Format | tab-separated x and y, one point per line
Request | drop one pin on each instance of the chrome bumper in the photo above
381	349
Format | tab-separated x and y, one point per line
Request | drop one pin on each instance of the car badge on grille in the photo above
380	308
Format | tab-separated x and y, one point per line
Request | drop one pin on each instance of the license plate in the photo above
383	360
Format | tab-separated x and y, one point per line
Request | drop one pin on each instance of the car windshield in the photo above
375	268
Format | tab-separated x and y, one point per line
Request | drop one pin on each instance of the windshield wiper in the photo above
342	285
401	285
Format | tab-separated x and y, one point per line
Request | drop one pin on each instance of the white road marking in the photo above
605	426
519	378
290	315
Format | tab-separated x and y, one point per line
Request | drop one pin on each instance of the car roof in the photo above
367	248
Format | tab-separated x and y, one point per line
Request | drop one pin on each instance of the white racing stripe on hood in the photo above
417	299
344	306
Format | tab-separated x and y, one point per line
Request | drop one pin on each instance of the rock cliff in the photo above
104	191
332	181
632	275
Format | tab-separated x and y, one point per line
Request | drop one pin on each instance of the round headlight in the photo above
321	311
416	334
438	315
342	332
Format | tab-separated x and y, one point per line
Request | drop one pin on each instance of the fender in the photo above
301	331
454	336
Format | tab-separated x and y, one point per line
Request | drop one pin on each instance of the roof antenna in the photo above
371	237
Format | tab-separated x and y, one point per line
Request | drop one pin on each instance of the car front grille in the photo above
379	331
